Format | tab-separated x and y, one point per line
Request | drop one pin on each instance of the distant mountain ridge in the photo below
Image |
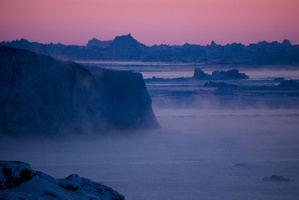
127	48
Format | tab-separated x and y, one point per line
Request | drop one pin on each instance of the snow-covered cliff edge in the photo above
41	95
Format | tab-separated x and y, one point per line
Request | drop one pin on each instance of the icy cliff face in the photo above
41	95
19	181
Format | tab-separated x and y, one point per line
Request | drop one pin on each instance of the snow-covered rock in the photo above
41	95
14	173
19	181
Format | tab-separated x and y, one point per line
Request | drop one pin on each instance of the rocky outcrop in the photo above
232	74
19	181
41	95
277	178
200	75
14	173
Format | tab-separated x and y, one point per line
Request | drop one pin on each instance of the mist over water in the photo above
194	155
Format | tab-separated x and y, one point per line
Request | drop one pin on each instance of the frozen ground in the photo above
210	152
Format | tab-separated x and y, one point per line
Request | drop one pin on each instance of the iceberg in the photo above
42	95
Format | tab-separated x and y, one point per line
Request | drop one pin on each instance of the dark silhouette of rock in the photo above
125	41
213	43
277	178
14	173
233	74
199	74
41	95
19	181
286	43
126	48
289	84
280	79
98	43
228	75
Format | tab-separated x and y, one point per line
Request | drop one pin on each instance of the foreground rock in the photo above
41	95
19	181
276	178
233	74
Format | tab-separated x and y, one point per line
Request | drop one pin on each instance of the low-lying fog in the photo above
207	153
193	156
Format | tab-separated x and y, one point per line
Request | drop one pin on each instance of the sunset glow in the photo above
150	21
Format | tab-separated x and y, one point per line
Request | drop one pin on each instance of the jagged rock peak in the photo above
213	43
286	42
125	37
98	43
125	40
94	40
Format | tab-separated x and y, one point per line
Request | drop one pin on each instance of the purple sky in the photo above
150	21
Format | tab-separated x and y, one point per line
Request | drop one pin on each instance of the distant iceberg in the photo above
232	74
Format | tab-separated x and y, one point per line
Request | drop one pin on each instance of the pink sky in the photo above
150	21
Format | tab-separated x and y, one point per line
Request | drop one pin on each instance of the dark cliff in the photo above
40	95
